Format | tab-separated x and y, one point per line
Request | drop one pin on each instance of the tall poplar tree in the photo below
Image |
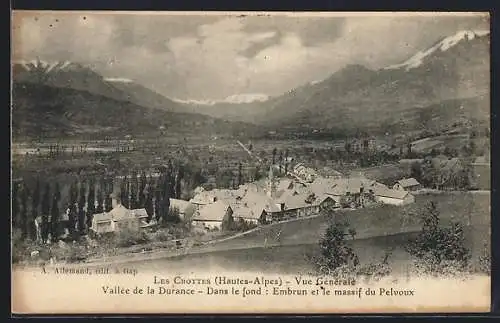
54	221
35	200
141	193
134	187
46	199
90	204
82	199
23	210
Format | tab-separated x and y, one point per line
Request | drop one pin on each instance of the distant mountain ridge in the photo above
454	68
69	99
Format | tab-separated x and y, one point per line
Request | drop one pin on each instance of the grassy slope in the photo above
58	112
371	222
299	239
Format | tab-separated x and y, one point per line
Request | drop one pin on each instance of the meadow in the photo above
379	230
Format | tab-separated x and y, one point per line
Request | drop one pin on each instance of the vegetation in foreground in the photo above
436	251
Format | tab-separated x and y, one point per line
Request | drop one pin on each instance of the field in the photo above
378	230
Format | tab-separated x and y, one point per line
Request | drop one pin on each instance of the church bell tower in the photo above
271	184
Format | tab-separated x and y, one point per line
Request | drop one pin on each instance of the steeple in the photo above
271	183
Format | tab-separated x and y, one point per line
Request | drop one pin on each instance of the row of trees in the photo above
442	173
44	205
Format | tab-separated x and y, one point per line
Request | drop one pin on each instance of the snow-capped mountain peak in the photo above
443	45
236	98
246	98
118	80
47	67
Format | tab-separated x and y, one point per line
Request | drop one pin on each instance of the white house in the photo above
393	197
407	184
217	215
254	214
119	219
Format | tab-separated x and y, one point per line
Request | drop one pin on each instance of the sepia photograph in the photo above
250	162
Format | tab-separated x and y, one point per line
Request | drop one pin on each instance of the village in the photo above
299	193
171	205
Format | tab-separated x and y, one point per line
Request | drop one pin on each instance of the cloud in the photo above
216	56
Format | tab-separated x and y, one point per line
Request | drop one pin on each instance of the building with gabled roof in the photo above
407	184
393	197
119	219
217	215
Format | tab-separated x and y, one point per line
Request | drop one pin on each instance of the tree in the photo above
100	200
46	199
286	161
157	205
23	211
148	205
81	207
73	198
90	204
15	206
436	247
164	204
281	161
35	200
352	233
240	180
134	189
347	146
124	191
54	223
142	187
334	250
275	151
109	187
365	145
178	180
416	171
409	146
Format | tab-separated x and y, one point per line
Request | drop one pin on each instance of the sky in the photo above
212	57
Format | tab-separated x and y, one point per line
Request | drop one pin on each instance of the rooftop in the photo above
212	212
119	213
407	182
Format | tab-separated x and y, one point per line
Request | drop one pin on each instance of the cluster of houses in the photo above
301	194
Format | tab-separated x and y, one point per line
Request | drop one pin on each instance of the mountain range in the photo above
437	85
69	99
453	73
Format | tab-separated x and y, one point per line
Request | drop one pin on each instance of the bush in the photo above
127	238
334	251
241	225
19	248
439	250
484	265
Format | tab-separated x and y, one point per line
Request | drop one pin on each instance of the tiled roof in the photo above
212	212
248	212
407	182
387	192
139	213
102	217
119	213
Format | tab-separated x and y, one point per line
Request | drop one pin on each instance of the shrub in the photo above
127	238
484	265
334	251
438	250
241	225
